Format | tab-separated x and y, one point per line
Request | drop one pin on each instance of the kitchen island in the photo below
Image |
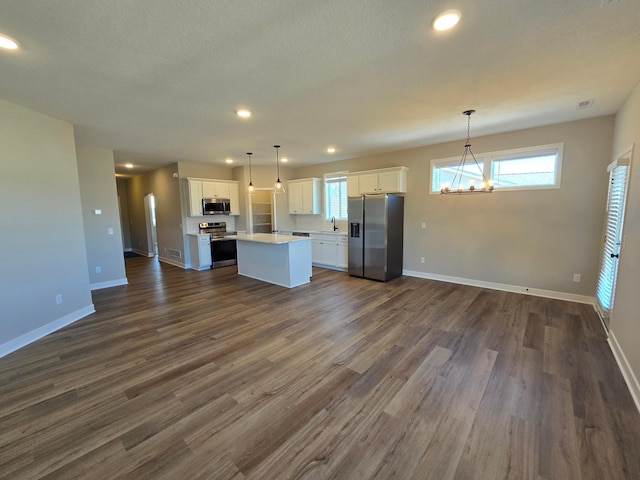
283	260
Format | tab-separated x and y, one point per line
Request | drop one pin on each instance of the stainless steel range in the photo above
223	247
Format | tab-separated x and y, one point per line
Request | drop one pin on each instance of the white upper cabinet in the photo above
386	180
200	188
304	196
195	198
215	189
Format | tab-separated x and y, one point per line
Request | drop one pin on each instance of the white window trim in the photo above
486	159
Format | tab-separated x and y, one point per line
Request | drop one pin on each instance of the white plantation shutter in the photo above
613	234
336	196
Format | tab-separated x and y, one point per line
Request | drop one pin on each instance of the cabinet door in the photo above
208	189
195	198
222	190
234	197
389	182
368	183
295	198
204	252
342	249
317	255
308	199
330	253
353	186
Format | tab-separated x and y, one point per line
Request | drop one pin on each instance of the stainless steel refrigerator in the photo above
375	236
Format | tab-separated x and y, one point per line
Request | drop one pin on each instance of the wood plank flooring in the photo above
208	375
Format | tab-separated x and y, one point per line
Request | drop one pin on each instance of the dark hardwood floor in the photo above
208	375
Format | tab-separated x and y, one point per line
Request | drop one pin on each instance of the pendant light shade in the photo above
278	187
456	185
251	188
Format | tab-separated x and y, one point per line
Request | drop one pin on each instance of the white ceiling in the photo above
159	81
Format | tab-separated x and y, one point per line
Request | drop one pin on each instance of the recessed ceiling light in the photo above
331	150
447	20
244	113
229	160
8	43
128	165
284	160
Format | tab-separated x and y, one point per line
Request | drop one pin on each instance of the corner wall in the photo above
625	319
103	235
42	252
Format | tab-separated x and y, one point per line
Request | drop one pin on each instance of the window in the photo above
443	172
523	168
336	196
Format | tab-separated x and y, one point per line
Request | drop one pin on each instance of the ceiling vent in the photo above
583	105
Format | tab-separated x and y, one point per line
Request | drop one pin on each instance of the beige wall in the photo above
536	239
123	200
96	172
166	190
42	250
625	319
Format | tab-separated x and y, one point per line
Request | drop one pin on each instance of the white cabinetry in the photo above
385	180
200	188
304	196
216	189
329	250
200	252
195	198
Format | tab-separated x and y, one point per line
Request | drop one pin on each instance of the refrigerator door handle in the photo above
355	230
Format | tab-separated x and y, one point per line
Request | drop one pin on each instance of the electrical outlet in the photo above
97	211
58	299
421	259
577	277
98	269
110	231
424	225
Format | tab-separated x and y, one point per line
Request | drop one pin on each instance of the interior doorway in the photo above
261	211
150	218
613	242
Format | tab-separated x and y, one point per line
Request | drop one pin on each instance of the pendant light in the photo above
456	186
278	187
251	188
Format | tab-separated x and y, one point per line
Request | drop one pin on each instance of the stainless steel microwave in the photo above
216	206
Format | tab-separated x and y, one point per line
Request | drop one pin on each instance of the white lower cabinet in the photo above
200	252
329	251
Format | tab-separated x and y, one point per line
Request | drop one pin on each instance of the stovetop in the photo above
216	229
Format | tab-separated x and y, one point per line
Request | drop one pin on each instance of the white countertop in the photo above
319	232
198	234
274	238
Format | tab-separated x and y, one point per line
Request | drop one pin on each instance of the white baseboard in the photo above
128	249
625	368
110	283
172	262
143	253
329	267
30	337
537	292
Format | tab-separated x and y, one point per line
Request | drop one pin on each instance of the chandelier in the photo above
456	185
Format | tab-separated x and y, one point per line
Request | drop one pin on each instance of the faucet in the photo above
333	220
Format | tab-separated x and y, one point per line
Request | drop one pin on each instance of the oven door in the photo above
223	252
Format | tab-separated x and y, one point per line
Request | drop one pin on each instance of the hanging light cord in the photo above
277	162
250	179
